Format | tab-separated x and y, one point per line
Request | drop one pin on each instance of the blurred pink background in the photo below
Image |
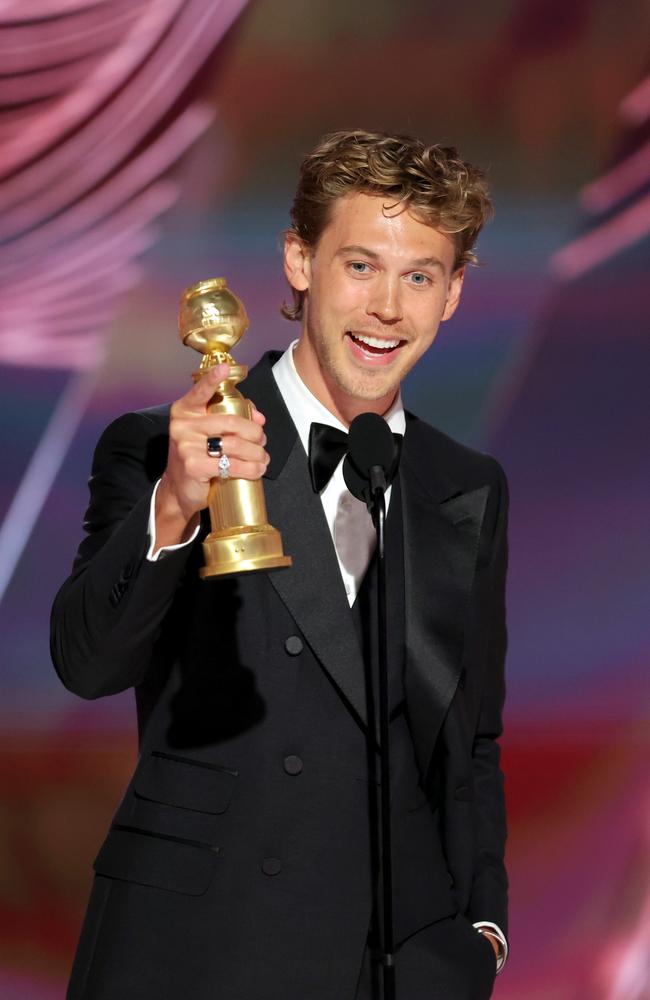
146	144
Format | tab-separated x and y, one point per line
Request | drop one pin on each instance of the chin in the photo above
360	387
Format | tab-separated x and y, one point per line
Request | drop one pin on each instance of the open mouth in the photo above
376	347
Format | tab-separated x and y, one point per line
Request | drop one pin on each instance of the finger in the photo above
194	451
218	424
196	400
255	414
247	451
239	469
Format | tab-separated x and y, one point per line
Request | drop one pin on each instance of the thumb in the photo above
204	389
258	417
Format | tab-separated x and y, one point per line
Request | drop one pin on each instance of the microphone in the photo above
368	468
372	459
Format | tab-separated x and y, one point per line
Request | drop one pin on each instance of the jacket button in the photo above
271	866
293	645
293	764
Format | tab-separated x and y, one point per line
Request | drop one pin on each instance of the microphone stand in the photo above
378	511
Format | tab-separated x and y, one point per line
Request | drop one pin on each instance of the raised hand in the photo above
183	490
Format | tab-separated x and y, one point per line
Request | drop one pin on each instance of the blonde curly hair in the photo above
433	182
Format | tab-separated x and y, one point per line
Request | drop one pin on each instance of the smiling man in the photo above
241	862
378	282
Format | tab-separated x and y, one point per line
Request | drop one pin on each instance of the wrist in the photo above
494	941
174	524
497	941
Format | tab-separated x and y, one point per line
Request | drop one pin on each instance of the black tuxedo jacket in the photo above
238	859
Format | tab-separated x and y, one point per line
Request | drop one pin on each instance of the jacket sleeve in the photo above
488	899
108	613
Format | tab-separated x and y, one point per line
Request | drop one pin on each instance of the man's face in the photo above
378	284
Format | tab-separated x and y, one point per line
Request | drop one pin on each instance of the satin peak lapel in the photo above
312	588
440	551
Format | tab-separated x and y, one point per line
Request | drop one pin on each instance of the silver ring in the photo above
214	447
224	467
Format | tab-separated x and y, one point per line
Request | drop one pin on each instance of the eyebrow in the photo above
365	252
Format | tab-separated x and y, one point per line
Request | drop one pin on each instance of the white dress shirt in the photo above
347	518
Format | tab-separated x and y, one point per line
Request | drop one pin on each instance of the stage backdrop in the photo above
146	144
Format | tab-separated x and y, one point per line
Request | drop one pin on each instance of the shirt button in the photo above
293	645
348	589
271	866
293	764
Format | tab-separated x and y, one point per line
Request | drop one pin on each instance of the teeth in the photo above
375	341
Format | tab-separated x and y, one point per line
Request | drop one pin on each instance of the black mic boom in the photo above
370	464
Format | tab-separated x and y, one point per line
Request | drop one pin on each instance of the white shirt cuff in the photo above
485	925
152	555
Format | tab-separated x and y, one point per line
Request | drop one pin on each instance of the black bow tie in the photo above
327	446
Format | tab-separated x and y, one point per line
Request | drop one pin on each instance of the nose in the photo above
385	300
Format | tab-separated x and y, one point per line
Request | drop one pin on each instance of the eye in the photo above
359	267
419	278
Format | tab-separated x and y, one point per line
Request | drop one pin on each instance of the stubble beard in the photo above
368	386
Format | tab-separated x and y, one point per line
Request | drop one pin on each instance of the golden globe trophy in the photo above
212	320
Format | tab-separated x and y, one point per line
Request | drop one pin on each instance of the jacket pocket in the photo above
152	859
185	783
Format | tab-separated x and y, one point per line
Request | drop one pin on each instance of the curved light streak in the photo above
87	135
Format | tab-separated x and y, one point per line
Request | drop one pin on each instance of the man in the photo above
240	864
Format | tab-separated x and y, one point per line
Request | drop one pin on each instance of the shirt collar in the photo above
305	409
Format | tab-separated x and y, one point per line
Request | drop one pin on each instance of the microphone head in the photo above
357	485
371	444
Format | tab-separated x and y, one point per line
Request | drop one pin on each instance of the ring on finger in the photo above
224	466
214	447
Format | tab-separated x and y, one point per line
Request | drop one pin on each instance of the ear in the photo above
297	262
453	295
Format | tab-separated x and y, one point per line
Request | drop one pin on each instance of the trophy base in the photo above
243	552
